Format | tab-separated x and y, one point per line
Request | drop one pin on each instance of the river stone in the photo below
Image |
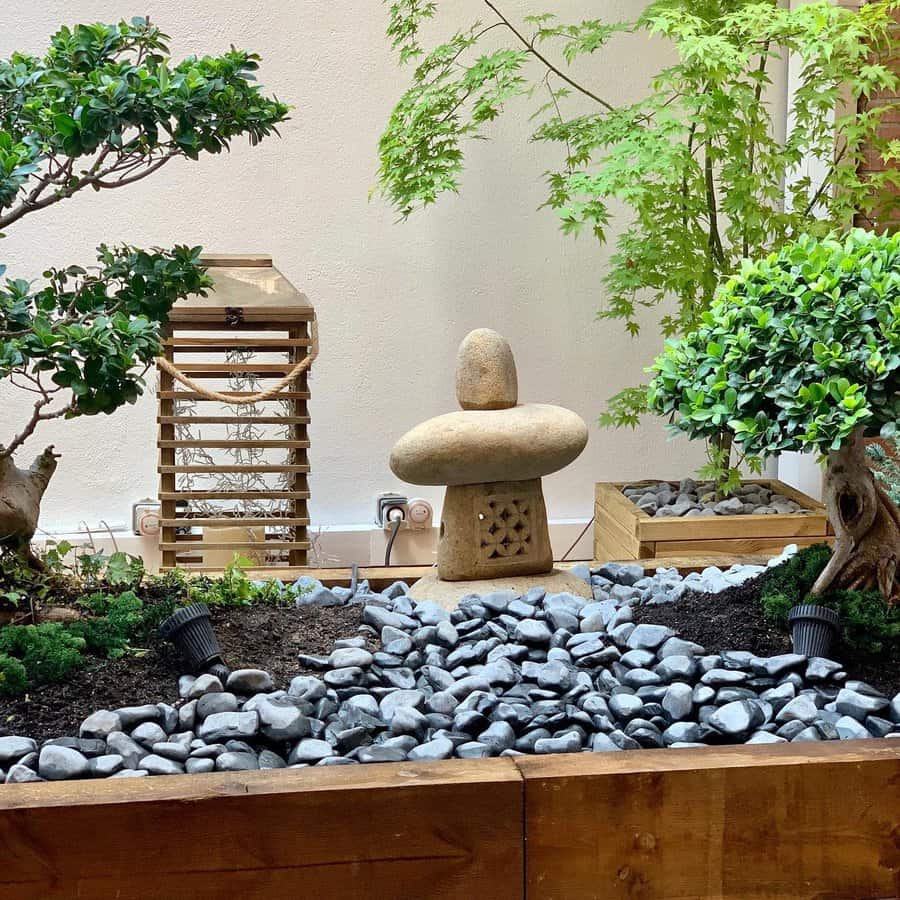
349	657
310	750
198	766
227	725
239	761
132	716
853	703
737	718
249	681
148	734
159	765
438	748
205	684
58	763
486	372
131	752
280	719
106	765
209	704
19	774
100	724
14	748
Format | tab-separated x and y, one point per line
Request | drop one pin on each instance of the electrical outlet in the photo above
386	504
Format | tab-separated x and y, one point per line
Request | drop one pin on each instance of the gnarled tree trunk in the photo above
866	524
21	491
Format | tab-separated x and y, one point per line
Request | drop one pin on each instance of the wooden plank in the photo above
229	445
611	542
233	420
380	577
224	370
233	495
190	344
210	470
739	823
780	525
236	260
616	532
193	395
198	543
229	521
609	497
736	546
453	830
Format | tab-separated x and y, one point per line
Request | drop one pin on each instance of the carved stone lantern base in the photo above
494	530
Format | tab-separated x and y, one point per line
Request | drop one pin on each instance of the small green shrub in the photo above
867	622
13	679
234	588
118	618
48	651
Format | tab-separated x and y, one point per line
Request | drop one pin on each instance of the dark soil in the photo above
733	620
258	637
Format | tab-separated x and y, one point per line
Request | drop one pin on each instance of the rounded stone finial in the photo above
486	372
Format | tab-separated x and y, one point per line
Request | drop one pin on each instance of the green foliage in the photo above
112	89
867	623
47	651
799	350
234	588
86	331
699	160
102	108
117	619
12	676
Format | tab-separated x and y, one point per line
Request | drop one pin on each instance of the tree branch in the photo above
36	417
529	45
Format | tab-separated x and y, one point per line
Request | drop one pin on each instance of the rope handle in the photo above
171	369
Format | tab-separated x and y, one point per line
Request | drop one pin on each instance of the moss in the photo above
13	679
867	622
47	651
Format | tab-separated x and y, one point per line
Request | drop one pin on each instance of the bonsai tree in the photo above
801	351
102	109
698	161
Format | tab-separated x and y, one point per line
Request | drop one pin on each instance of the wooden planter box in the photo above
622	531
786	821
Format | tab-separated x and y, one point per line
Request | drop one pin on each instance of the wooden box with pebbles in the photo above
647	519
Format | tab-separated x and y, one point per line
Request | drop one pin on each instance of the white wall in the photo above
393	299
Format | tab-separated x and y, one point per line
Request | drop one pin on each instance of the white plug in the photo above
419	514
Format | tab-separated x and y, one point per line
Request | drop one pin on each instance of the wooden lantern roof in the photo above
248	288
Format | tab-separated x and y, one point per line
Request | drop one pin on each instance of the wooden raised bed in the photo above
788	821
622	531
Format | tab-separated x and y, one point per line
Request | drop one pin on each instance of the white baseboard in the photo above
342	545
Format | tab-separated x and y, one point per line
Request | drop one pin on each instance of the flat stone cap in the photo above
480	446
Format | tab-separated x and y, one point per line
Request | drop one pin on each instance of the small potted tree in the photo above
801	351
104	108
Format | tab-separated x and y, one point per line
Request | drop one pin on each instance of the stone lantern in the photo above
491	455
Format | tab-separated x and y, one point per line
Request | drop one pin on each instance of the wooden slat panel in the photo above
233	420
739	823
234	495
199	544
227	445
454	830
736	546
609	497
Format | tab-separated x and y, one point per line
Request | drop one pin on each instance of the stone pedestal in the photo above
494	530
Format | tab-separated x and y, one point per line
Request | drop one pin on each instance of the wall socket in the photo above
386	504
417	513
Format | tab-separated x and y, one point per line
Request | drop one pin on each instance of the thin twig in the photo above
529	45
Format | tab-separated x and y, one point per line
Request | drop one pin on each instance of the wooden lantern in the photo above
223	488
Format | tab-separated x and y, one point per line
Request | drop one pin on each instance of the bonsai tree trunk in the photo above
866	524
21	491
